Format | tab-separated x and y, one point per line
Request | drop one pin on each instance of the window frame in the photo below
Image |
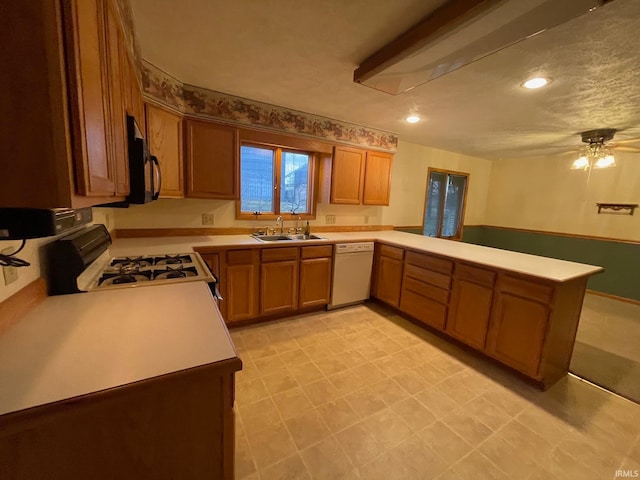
277	160
458	234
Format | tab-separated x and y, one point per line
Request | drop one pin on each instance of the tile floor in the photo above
361	393
606	350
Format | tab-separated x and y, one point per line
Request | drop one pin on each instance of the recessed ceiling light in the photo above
413	119
536	82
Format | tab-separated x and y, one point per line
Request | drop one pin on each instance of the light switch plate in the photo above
10	273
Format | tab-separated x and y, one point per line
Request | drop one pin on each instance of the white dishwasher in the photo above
351	273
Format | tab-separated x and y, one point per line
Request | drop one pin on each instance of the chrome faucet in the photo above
280	222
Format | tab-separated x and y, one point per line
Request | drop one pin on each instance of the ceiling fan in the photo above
598	151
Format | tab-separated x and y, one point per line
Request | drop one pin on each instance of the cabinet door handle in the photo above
158	176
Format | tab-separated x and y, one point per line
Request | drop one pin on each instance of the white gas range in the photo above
81	263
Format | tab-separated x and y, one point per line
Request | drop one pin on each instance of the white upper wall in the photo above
409	183
545	194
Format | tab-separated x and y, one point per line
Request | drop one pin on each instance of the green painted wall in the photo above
620	260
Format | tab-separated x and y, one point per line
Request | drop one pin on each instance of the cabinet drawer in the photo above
423	309
430	262
434	278
526	289
279	254
475	274
391	252
317	251
434	293
239	257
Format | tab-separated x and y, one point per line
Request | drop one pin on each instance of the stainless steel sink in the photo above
279	238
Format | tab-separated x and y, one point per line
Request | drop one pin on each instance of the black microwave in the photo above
145	178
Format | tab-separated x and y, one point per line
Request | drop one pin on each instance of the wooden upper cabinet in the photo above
118	84
347	170
87	58
212	154
164	136
377	178
360	177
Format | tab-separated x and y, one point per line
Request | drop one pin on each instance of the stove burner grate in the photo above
172	260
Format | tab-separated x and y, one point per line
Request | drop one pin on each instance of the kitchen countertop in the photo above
542	267
72	345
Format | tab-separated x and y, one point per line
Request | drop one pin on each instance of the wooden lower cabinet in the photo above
278	287
517	332
315	281
388	265
470	307
240	285
179	425
424	309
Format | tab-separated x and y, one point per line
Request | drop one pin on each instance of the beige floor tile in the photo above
411	381
384	467
350	357
447	364
244	464
365	402
263	351
429	373
258	416
476	466
307	429
455	390
321	391
269	365
371	351
279	381
549	427
292	402
467	426
271	445
445	442
416	415
634	450
390	364
563	466
419	461
505	399
526	440
338	414
475	381
488	413
347	381
251	391
388	391
596	457
294	357
306	373
436	401
388	427
291	468
505	455
326	460
359	443
369	373
330	365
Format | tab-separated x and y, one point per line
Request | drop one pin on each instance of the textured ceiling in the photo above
301	54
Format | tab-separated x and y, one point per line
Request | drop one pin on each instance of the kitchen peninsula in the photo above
522	310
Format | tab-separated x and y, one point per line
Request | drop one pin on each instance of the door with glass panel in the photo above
444	204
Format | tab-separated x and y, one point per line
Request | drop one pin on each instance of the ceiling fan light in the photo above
413	119
581	163
605	162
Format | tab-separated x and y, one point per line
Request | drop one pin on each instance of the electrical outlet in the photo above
366	219
207	219
10	273
330	219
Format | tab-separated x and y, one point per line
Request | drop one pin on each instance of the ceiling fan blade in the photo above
625	148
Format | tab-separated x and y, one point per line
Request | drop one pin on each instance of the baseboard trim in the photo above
614	297
20	303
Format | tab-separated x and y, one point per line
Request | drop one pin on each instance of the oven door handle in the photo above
216	293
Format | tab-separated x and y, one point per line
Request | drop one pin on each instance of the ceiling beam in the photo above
437	23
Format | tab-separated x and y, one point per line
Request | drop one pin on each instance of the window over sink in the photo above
275	181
